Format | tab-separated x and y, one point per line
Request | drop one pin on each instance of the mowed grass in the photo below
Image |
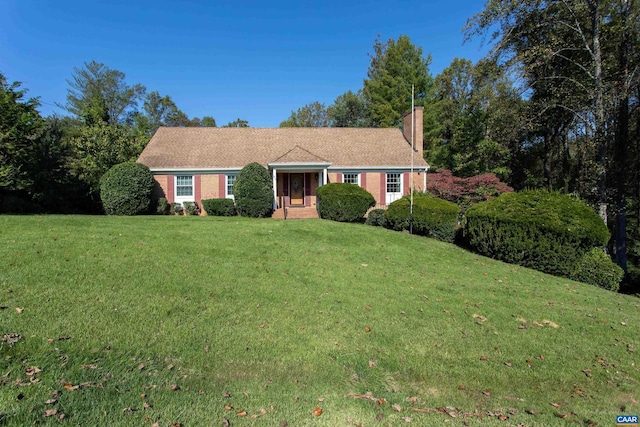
165	320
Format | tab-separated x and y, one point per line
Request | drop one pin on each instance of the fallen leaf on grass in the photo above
11	338
396	407
71	387
241	413
555	405
50	412
486	393
367	329
175	388
32	370
228	407
563	416
317	411
479	317
51	402
19	310
89	366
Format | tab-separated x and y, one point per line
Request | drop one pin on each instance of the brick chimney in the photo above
418	143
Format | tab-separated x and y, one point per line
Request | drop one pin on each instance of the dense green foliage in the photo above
395	67
376	218
20	125
219	207
596	268
127	189
432	217
253	191
538	229
162	206
343	202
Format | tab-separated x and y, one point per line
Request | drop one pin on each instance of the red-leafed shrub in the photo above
465	191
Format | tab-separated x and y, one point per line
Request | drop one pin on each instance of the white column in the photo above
324	176
275	190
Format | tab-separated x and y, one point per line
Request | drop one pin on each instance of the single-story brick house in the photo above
191	164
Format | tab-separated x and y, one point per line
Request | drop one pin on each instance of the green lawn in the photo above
194	320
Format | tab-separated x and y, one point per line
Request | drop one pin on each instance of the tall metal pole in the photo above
413	127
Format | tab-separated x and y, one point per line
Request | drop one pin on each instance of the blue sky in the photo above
250	59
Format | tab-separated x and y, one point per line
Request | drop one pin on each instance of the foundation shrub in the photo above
219	207
432	217
344	202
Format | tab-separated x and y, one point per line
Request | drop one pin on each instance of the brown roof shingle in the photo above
194	148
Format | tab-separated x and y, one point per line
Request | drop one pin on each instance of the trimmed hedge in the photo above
542	230
127	189
253	191
376	218
343	202
432	217
219	207
596	268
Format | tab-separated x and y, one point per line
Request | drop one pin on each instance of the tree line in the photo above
54	164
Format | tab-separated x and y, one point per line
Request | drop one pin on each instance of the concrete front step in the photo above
296	213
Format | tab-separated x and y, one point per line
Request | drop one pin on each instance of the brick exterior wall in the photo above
209	186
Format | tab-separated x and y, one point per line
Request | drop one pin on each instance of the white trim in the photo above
306	167
392	197
193	171
275	189
357	174
226	185
377	168
182	199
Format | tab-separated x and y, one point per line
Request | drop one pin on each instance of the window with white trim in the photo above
231	180
394	187
393	183
184	186
351	178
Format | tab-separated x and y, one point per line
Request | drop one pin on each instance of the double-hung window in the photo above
351	178
184	186
231	179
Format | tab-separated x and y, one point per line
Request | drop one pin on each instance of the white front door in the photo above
394	187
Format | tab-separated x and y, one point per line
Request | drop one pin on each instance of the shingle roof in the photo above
185	148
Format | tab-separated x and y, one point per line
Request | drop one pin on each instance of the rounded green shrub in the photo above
432	217
253	191
344	202
127	189
376	218
219	207
596	268
542	230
